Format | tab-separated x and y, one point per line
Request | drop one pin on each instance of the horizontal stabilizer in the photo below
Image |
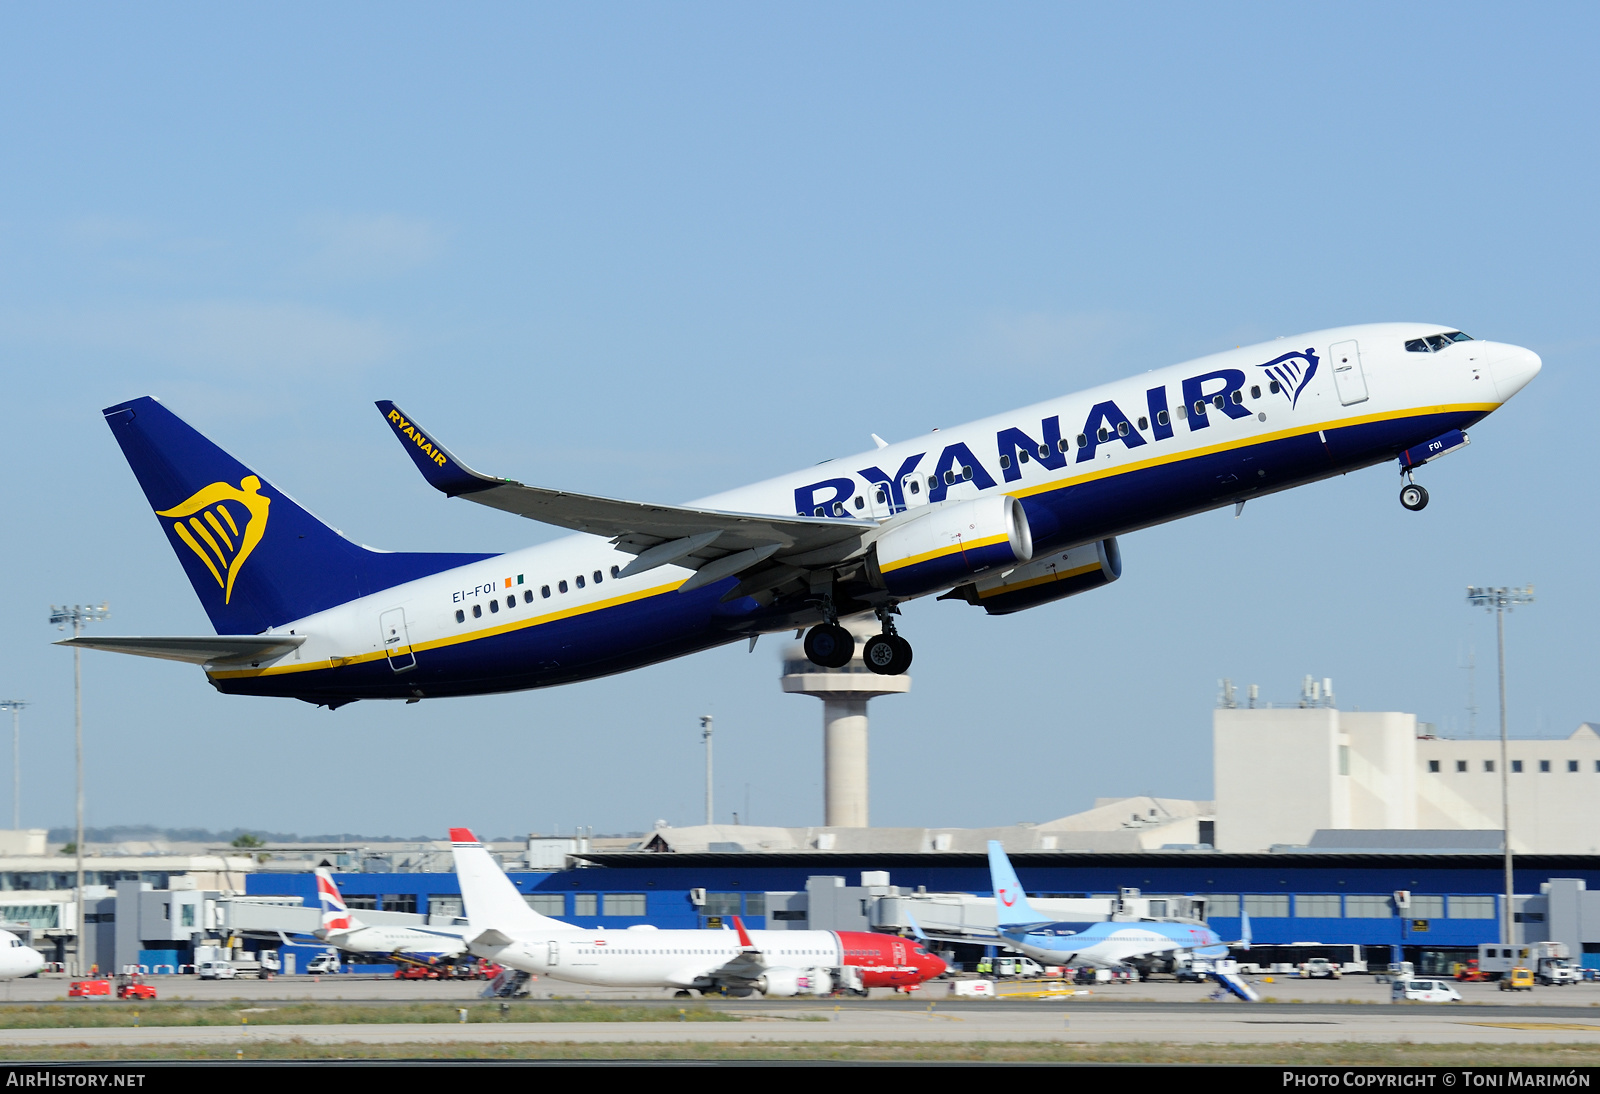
199	649
492	937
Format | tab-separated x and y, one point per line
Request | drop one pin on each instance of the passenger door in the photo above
1348	379
396	640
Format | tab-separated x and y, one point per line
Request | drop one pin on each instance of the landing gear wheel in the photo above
682	994
1413	497
830	645
887	654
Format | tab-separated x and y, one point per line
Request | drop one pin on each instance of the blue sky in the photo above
661	250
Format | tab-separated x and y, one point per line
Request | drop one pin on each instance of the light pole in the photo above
1500	601
705	735
15	707
78	615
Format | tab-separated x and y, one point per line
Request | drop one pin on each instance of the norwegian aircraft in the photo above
344	931
1005	513
1106	943
738	962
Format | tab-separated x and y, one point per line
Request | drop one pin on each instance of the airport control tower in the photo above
844	693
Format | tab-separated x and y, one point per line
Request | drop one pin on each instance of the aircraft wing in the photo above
701	539
197	650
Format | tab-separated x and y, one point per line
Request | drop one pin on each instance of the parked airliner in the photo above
738	962
344	931
17	958
1005	513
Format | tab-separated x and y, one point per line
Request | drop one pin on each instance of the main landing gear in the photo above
831	646
1412	496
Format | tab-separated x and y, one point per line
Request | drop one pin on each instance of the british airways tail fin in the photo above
1010	902
336	918
491	902
255	558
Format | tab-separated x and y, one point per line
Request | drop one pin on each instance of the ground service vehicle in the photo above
218	970
322	963
1469	972
81	989
1423	991
1320	968
1017	967
131	986
1520	978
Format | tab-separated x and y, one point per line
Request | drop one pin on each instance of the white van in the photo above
218	970
323	963
1423	991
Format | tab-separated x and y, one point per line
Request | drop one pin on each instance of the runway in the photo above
869	1022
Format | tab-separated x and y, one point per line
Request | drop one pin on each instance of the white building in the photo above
1282	775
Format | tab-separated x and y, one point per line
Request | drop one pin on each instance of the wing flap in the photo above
196	649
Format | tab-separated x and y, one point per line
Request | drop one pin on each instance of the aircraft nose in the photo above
1513	371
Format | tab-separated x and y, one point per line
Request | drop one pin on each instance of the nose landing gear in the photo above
1413	497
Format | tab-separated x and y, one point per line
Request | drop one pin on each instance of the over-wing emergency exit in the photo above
1005	513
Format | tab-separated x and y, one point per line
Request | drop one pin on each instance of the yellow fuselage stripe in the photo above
1087	476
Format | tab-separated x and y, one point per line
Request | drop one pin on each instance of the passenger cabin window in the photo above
1274	387
1082	440
562	586
579	580
544	591
1122	429
1164	418
1005	462
494	605
597	577
461	616
932	482
477	611
1200	407
527	595
1144	423
1022	455
879	496
1063	445
915	486
1103	435
1255	391
511	602
861	502
615	570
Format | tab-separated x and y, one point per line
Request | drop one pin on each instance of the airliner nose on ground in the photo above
1512	371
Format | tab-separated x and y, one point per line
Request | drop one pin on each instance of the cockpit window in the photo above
1433	343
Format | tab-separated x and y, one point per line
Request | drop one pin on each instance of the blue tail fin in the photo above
1010	902
255	558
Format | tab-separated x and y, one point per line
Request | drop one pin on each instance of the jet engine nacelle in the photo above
1053	577
950	543
781	982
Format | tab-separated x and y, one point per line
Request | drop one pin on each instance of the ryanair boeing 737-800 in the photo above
1005	513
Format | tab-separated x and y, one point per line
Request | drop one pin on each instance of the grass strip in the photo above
1346	1054
102	1015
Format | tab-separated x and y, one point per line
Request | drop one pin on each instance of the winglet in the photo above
1244	929
744	935
438	465
916	928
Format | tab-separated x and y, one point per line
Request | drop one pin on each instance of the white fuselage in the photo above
1471	376
654	958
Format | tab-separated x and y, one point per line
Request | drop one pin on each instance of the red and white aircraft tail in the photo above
336	918
488	896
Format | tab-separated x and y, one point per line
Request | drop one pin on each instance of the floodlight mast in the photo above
15	707
705	735
78	615
1500	601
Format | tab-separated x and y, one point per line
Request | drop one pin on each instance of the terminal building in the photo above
1343	829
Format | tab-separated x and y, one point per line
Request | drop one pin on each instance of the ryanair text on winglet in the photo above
407	429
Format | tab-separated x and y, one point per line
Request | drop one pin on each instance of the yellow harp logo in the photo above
222	525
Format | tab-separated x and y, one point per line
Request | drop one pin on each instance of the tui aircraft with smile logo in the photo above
1004	514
